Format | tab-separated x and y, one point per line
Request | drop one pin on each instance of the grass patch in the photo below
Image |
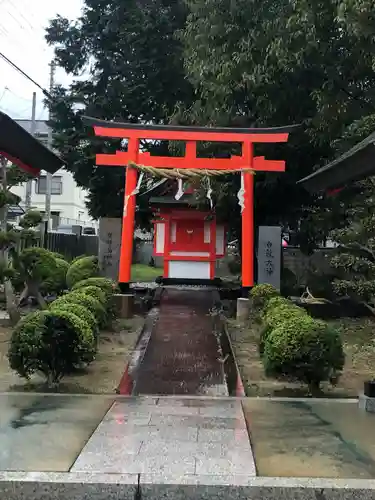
359	346
142	272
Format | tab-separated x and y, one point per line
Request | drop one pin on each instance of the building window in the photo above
41	185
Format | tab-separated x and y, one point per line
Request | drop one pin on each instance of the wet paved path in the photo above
192	439
46	432
302	438
170	437
183	355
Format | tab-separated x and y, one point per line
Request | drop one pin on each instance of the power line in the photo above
17	68
3	94
19	114
30	32
18	96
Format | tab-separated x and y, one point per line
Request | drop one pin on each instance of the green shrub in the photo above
95	292
26	339
307	350
56	282
261	294
79	257
108	286
59	256
275	317
79	310
276	302
51	342
93	305
36	263
86	267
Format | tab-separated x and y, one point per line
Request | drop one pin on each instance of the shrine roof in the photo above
24	150
354	165
96	122
186	199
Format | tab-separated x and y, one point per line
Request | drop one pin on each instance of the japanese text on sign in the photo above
269	266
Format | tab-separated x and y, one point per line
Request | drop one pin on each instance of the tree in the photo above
136	75
355	259
277	62
35	265
218	62
10	176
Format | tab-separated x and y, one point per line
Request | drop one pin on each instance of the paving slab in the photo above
164	438
46	433
332	439
88	486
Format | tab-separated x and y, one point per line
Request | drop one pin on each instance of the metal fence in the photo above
71	245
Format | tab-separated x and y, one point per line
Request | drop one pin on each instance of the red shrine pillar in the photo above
248	219
127	235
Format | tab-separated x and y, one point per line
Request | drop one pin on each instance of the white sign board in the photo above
269	255
109	247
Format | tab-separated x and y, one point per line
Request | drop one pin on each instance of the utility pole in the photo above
29	183
47	210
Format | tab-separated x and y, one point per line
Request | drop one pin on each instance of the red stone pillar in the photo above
248	220
127	235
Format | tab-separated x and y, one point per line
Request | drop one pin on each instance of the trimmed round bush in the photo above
95	292
93	305
108	286
26	339
86	267
51	342
307	350
59	256
56	282
276	302
261	294
79	310
276	316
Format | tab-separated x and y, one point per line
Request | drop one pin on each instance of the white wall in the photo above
189	269
70	203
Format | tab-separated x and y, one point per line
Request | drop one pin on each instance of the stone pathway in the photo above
183	356
170	437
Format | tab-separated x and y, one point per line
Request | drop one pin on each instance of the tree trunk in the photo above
32	289
11	303
314	388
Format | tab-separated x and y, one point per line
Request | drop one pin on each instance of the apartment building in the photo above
67	199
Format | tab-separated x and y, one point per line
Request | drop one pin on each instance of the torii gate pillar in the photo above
246	164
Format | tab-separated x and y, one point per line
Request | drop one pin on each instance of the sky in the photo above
22	29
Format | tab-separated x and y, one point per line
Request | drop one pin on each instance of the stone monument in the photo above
269	255
109	246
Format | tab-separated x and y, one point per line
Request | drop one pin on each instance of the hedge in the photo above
261	294
108	286
294	345
83	268
93	305
51	342
96	293
307	350
56	282
79	310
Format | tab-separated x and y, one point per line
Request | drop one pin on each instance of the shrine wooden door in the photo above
190	236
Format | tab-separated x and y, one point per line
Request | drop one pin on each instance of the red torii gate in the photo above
191	135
